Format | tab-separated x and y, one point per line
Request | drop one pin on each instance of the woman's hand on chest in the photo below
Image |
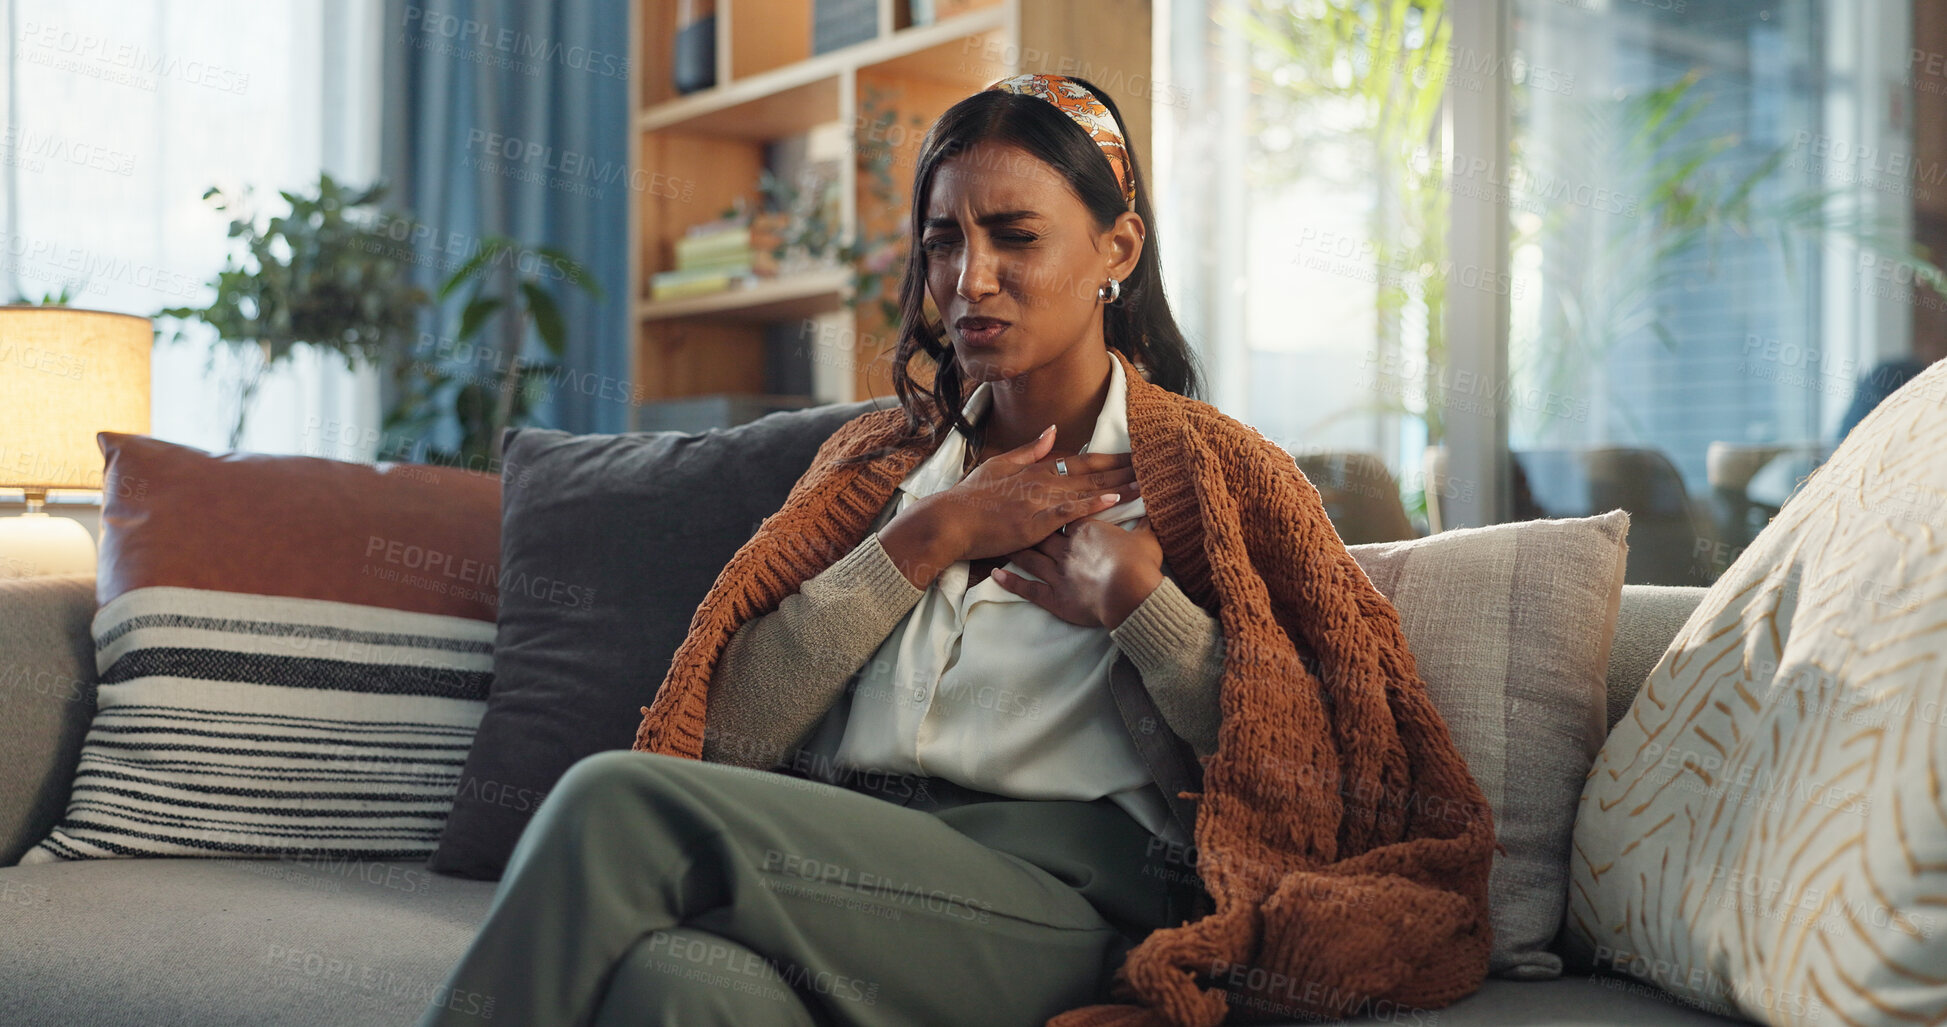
1017	497
1093	576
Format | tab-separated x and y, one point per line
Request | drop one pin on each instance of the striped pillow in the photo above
293	656
231	724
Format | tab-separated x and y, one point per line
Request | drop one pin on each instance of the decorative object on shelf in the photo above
65	374
808	205
693	61
327	275
482	390
837	23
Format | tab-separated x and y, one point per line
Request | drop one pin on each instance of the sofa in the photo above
218	941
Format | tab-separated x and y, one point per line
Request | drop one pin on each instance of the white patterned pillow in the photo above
233	724
1764	834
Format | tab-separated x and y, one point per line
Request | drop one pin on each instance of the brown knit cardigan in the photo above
1343	841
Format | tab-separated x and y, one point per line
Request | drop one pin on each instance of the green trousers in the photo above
652	890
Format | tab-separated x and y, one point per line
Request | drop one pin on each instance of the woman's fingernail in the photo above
1048	429
1113	497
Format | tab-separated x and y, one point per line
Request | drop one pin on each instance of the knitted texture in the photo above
1339	834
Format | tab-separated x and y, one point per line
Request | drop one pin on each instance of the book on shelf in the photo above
699	248
763	261
670	285
768	221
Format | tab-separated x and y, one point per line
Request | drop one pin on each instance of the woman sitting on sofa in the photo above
1059	699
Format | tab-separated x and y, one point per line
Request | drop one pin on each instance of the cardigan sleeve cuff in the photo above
870	569
864	591
1165	624
1178	646
817	637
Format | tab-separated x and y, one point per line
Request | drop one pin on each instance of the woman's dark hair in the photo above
1139	323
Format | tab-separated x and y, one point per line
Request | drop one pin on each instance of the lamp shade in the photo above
66	374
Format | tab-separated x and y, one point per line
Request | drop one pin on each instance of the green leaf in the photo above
547	317
489	249
476	315
576	273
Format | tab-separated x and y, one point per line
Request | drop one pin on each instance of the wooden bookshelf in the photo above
696	154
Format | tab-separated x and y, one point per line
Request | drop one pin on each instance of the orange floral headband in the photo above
1073	99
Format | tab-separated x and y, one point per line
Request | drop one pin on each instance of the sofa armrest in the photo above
1646	624
47	691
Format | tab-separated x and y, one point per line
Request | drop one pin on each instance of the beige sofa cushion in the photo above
1650	617
1510	627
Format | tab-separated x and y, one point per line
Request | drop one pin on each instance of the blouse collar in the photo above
941	471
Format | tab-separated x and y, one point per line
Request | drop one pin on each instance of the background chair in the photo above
1361	496
1668	535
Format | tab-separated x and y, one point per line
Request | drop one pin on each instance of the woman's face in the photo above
1013	261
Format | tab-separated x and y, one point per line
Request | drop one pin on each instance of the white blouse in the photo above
1030	715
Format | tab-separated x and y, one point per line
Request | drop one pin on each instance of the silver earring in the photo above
1109	293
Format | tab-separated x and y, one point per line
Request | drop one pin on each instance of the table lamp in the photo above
65	374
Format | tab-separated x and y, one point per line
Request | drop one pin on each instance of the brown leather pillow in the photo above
399	536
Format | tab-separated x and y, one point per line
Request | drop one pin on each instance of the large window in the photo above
1307	245
1554	257
1699	295
119	114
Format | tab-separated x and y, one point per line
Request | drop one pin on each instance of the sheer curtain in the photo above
120	114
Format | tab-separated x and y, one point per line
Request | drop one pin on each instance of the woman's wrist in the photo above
1126	592
922	541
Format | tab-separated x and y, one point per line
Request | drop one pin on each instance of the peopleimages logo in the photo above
96	56
428	566
1708	986
883	889
49	362
421	239
46	258
25	148
487	149
512	43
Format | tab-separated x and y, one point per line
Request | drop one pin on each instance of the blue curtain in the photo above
510	117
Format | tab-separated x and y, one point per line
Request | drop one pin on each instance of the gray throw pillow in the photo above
608	544
1510	627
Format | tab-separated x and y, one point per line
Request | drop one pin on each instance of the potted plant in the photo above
463	387
324	275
